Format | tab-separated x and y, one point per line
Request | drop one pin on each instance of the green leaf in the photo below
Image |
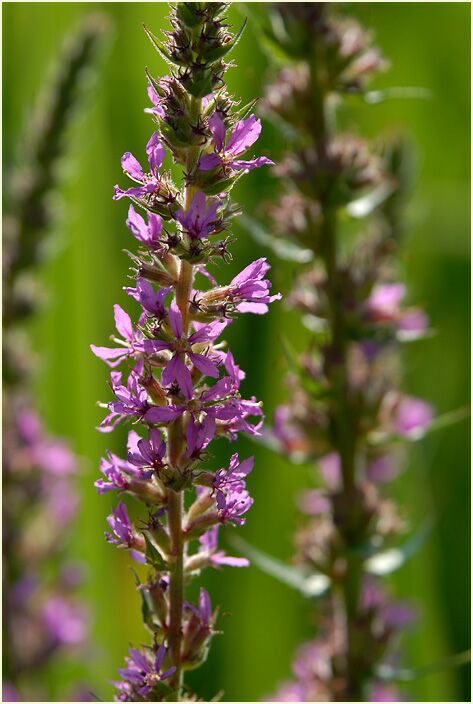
361	207
159	47
221	51
439	423
392	674
448	419
313	585
388	561
153	556
374	97
283	249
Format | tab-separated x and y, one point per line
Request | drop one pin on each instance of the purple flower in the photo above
65	621
381	692
156	101
413	417
198	221
9	693
50	454
217	558
243	136
314	502
61	500
143	671
382	469
152	302
149	453
331	469
384	306
114	356
123	534
248	292
232	497
149	234
149	182
204	609
116	472
132	401
176	369
287	435
251	289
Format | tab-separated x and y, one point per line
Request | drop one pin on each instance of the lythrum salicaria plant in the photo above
182	389
345	412
43	618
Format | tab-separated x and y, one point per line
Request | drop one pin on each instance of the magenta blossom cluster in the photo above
180	386
43	613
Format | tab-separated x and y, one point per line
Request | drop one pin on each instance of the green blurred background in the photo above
263	621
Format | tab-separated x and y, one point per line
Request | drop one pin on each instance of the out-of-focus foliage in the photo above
428	45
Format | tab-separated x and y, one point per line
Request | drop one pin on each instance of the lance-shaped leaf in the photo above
153	556
388	561
393	674
312	585
373	97
439	423
364	206
282	248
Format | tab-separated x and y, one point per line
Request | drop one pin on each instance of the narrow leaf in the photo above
374	97
309	586
283	249
386	672
389	561
361	207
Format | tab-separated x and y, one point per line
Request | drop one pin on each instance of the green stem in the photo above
346	598
176	443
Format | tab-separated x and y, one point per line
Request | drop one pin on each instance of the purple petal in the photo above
136	224
204	365
244	135
218	131
414	417
175	319
209	161
155	152
123	323
109	353
132	167
238	164
163	414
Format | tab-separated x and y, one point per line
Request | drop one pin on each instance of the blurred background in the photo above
263	621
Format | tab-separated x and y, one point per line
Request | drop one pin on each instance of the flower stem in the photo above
176	445
176	586
343	420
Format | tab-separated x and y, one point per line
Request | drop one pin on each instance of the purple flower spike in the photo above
150	233
199	221
150	182
243	136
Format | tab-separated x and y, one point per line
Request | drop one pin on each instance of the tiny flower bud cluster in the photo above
345	412
181	389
